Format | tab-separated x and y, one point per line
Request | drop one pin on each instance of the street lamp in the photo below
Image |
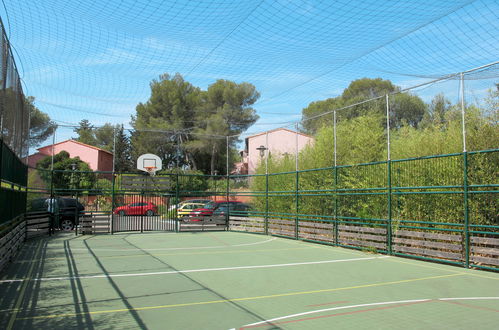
73	168
262	150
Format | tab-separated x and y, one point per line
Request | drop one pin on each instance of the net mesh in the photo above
99	57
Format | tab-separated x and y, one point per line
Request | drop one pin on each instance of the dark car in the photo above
237	209
140	208
211	207
67	211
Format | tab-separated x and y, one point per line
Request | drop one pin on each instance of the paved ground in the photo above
225	280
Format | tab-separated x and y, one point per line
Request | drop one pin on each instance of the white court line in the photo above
180	248
471	298
188	271
361	305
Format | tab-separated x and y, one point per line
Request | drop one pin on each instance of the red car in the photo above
140	208
208	209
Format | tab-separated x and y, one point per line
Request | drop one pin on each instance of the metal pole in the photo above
334	138
388	127
53	215
335	182
297	188
465	179
466	211
114	149
111	225
227	217
177	200
389	179
266	183
296	147
463	119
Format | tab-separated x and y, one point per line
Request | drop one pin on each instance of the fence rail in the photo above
443	208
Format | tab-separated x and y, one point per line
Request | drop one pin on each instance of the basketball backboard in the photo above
149	163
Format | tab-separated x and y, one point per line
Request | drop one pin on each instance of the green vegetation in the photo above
187	126
41	126
69	173
361	138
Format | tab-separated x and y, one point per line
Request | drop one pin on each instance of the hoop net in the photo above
151	170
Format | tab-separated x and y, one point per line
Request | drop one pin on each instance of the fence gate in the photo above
143	203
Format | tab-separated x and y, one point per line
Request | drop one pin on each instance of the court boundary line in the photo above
182	248
288	294
270	321
165	254
66	278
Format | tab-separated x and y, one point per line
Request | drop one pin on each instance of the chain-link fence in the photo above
14	127
409	172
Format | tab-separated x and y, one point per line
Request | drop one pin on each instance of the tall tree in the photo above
122	153
104	136
187	127
163	123
41	127
85	133
437	110
406	108
69	173
226	111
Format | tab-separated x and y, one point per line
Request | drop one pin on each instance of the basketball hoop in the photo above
149	163
151	170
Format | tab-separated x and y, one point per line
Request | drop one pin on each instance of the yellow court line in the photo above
166	254
240	299
20	296
414	263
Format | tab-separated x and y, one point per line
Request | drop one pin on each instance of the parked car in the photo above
67	211
186	208
208	209
139	208
200	201
239	209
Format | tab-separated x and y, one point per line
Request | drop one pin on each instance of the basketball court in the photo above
228	280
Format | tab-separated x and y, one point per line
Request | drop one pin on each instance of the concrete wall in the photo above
88	154
105	162
280	141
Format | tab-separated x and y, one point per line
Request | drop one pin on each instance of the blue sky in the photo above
95	60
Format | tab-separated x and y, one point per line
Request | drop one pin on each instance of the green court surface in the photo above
226	280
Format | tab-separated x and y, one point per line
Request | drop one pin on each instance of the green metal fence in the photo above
13	174
442	208
14	126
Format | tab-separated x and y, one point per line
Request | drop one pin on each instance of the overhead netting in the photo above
95	59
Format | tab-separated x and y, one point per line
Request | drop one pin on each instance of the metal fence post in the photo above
389	180
227	216
336	223
297	204
177	196
465	178
266	224
335	181
389	202
77	216
142	216
113	203
466	211
266	204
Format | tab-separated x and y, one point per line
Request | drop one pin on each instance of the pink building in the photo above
277	142
98	159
